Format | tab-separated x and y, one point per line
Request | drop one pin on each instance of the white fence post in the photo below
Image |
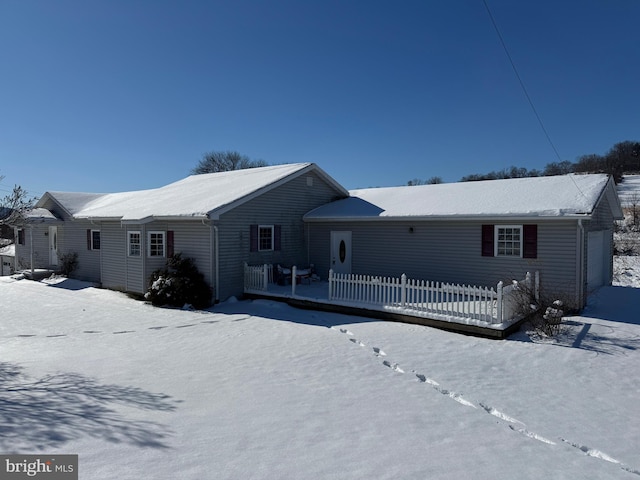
294	271
330	284
499	300
403	290
265	277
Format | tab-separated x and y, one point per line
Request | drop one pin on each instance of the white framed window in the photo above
265	237
508	241
134	244
156	244
95	239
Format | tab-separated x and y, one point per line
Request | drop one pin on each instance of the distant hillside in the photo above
629	186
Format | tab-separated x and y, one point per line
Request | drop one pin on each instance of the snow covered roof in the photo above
39	214
195	196
8	250
557	196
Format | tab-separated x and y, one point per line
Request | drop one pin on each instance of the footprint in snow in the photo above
91	331
591	452
460	400
395	367
344	330
535	436
157	328
187	325
425	379
455	396
499	414
378	351
123	331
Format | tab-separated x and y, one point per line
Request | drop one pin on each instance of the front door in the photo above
341	252
53	246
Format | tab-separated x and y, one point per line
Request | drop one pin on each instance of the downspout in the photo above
216	245
126	256
144	247
308	242
31	248
580	264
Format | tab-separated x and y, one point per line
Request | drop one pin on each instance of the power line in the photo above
524	89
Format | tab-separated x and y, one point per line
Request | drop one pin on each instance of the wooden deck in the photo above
314	296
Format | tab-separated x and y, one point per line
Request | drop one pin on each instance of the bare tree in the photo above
14	206
430	181
558	168
213	162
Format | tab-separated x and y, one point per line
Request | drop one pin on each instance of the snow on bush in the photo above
177	284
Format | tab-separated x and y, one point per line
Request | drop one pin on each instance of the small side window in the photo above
95	239
134	244
265	237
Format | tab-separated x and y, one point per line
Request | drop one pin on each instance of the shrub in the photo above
179	283
546	320
551	320
68	263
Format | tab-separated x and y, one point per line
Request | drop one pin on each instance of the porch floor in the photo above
315	296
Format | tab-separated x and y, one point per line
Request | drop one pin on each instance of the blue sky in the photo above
106	96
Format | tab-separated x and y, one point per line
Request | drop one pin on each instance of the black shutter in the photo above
169	243
253	238
21	236
488	232
88	239
530	249
277	235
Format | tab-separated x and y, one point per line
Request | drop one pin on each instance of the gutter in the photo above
457	218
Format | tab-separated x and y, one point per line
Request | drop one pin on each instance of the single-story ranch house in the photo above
475	233
220	220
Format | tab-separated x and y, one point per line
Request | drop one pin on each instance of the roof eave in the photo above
164	218
456	218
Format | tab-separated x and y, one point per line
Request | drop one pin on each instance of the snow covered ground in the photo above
260	390
629	189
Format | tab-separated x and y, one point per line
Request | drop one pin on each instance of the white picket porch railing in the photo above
425	297
257	277
486	304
